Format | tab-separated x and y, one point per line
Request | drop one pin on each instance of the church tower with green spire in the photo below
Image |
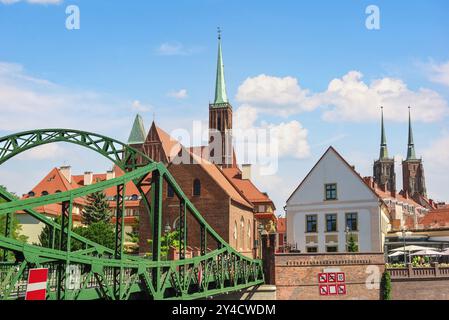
413	180
220	118
383	169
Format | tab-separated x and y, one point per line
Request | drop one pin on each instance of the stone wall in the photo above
296	275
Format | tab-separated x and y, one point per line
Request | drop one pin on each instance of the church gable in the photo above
331	169
153	145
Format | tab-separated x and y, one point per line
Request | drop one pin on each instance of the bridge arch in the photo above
124	156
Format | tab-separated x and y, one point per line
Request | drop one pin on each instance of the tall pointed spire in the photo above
383	139
137	135
411	155
220	86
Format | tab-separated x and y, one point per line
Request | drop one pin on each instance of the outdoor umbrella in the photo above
427	252
395	254
410	248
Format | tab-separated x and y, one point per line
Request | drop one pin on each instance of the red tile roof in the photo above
245	186
435	218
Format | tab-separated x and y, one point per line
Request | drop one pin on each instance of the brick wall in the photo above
213	204
296	275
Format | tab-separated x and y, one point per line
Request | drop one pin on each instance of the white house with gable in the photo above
332	204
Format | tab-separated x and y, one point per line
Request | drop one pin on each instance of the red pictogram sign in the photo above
332	283
37	284
322	277
332	288
323	291
341	289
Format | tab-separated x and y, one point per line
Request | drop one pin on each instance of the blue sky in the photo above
159	57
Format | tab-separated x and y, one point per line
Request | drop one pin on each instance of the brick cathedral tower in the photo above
383	169
413	181
220	119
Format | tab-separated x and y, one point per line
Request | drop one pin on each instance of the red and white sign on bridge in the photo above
37	284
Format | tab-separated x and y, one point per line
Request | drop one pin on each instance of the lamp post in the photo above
347	238
260	229
167	230
403	230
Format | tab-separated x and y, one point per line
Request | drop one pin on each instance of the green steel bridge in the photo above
106	273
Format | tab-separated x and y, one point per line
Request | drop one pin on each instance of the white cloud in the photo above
27	102
350	99
139	107
245	117
439	73
289	137
180	94
275	95
176	49
32	1
45	152
347	98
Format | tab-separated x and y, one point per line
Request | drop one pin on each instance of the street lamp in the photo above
167	230
404	232
260	229
347	238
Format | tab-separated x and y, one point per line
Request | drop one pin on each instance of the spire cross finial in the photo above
219	33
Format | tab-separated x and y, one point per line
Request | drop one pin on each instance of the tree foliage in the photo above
15	230
100	232
168	240
352	246
386	286
97	209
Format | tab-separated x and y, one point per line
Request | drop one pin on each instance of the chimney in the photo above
66	171
88	177
246	172
110	174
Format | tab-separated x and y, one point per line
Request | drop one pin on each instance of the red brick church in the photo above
209	175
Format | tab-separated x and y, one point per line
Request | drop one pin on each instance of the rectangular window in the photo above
332	249
331	191
331	222
312	249
311	223
351	221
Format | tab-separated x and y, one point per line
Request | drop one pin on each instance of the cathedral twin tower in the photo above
413	182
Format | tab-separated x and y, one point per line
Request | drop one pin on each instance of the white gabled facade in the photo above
331	197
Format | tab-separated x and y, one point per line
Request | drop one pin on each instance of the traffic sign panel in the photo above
322	277
37	284
323	290
341	289
341	277
332	277
332	289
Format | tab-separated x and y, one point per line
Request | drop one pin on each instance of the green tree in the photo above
352	246
15	230
46	234
386	286
99	232
97	209
168	240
